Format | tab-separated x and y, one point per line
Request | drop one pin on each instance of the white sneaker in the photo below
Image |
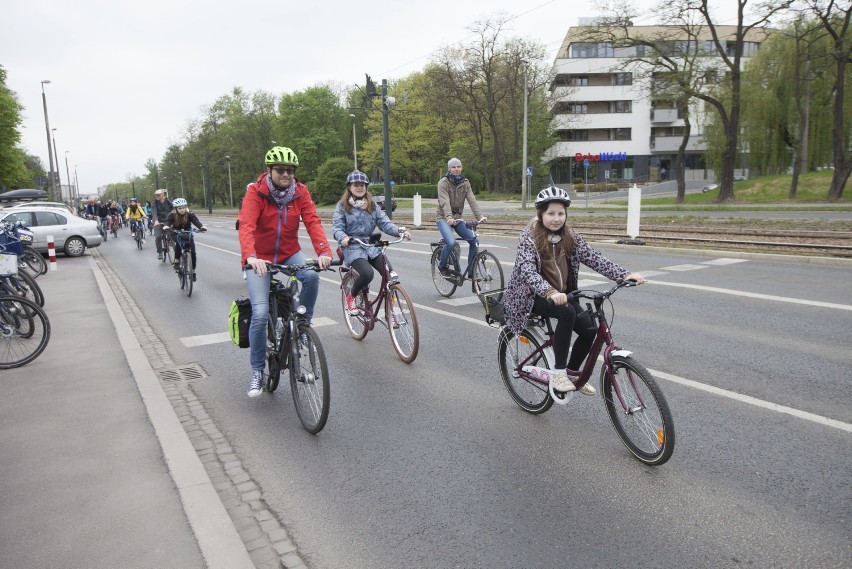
588	389
256	383
557	378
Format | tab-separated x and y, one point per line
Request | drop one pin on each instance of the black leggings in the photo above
566	322
179	251
365	272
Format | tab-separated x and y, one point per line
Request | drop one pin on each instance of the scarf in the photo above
360	204
456	180
282	196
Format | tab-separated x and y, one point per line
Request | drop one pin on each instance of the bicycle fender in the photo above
622	353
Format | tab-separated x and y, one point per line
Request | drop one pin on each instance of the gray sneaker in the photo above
256	383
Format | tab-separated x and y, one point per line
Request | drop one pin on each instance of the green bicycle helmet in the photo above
281	155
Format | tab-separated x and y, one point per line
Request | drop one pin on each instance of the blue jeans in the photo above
258	291
450	242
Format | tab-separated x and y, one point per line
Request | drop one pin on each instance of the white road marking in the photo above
754	401
724	261
459	300
686	267
205	339
757	295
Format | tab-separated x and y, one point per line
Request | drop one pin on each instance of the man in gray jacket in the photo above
160	212
453	190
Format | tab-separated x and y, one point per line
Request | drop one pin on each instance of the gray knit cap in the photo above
453	162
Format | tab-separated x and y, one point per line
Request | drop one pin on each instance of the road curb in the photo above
218	540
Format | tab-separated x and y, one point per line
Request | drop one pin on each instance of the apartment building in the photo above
618	117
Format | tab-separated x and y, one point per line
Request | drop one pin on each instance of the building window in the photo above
579	108
580	81
749	48
576	135
623	79
622	106
586	50
622	134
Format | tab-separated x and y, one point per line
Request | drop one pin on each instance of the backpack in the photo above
239	320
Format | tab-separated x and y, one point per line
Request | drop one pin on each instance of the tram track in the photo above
807	239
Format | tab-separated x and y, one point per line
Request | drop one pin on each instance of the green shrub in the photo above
331	180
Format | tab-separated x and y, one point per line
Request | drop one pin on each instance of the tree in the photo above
13	170
836	19
314	124
330	180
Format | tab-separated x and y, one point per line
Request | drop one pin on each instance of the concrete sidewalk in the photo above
97	470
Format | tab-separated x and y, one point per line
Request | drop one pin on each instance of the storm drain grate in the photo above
183	373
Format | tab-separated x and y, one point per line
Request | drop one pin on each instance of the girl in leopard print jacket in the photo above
546	269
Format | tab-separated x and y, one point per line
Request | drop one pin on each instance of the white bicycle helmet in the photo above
552	194
179	202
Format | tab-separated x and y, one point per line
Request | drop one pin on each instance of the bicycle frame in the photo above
603	342
459	281
389	278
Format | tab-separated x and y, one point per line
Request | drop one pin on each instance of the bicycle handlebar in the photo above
380	242
290	269
593	294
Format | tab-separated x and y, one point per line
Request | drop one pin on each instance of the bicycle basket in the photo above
493	302
10	244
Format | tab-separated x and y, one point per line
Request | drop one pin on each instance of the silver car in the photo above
71	234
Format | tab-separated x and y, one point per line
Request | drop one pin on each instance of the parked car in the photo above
380	201
58	205
71	234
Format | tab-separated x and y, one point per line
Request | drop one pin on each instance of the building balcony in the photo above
672	143
663	115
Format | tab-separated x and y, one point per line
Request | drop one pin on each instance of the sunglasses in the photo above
281	170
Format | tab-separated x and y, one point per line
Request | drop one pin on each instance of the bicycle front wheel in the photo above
273	358
354	322
402	323
167	251
530	395
24	331
638	411
188	270
487	275
443	285
309	380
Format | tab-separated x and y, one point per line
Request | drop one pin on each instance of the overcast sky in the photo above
127	76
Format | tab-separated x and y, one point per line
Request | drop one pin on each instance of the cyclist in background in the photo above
453	190
103	217
269	232
182	218
160	212
546	270
356	215
136	215
91	210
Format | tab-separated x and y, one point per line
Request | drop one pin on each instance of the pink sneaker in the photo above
351	305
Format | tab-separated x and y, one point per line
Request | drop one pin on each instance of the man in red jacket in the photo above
269	233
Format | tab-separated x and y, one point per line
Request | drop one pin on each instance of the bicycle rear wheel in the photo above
354	322
309	380
638	411
35	262
443	285
530	395
487	275
402	323
24	331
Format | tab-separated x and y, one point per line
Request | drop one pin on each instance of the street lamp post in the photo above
76	186
51	182
67	174
230	187
58	177
524	185
354	144
181	182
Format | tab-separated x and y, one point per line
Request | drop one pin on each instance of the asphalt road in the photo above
432	464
